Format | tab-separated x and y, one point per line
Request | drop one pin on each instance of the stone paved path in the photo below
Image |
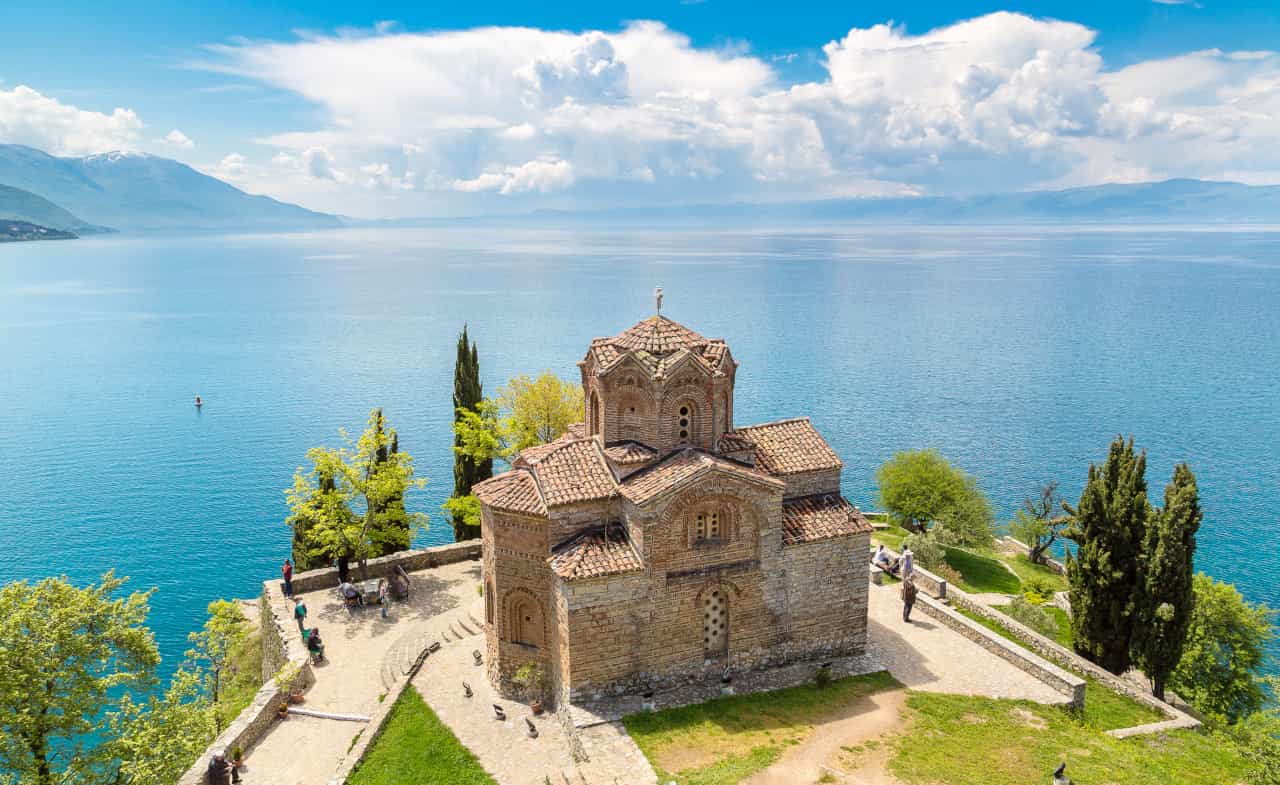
361	649
925	655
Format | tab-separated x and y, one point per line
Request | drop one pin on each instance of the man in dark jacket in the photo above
908	597
221	771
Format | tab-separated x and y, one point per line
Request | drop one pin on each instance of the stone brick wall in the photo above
827	594
381	567
517	574
810	483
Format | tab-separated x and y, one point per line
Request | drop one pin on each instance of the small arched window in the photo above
597	415
715	623
684	422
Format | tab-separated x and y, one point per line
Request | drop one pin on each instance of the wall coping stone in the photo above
383	566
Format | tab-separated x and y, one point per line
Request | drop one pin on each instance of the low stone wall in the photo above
1068	659
1068	684
381	567
282	645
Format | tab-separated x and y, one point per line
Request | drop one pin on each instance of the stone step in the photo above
475	615
462	624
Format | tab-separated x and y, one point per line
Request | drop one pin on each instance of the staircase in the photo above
451	628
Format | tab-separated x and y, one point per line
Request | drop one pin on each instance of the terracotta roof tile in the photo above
514	491
629	453
820	517
788	447
571	471
657	343
658	335
677	467
592	554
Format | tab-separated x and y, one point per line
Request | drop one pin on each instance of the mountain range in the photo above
136	192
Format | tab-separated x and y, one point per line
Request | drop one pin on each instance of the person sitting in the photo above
222	771
350	594
885	562
315	645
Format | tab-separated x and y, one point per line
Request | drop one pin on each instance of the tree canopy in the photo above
67	654
468	392
921	487
1040	522
1225	648
526	412
351	503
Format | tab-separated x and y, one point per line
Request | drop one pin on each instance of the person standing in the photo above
344	569
286	572
300	613
383	598
908	563
908	597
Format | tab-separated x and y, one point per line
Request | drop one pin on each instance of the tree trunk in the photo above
1157	686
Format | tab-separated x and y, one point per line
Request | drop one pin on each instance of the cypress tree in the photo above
467	394
1168	589
1109	530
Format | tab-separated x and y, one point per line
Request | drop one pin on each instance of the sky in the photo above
434	109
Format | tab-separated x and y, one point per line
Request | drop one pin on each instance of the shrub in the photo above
949	574
928	551
1037	589
822	677
1033	616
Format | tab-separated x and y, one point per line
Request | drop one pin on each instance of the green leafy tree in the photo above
1041	522
363	514
1167	573
1109	530
1258	737
1225	648
213	647
921	487
468	392
527	412
67	654
154	741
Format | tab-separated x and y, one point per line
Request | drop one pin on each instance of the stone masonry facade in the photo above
656	544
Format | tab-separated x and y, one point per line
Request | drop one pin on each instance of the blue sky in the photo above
649	103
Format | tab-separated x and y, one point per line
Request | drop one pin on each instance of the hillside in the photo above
19	231
139	192
24	206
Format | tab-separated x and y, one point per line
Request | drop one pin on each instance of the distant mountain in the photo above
1167	202
139	192
17	231
17	205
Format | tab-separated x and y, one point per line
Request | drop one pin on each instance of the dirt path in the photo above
851	746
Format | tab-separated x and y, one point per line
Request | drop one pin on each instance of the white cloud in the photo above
176	138
1003	101
27	117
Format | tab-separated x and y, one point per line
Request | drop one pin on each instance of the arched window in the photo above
597	415
715	623
526	622
488	602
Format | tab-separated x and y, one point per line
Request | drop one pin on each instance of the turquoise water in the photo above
1019	354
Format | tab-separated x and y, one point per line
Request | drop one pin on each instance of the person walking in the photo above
908	597
300	613
286	572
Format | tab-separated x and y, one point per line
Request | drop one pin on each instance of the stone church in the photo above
659	542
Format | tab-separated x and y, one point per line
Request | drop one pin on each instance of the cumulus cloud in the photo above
1002	101
176	138
30	118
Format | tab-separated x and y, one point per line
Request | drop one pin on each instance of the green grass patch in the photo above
416	748
982	574
891	537
1028	570
726	740
1104	708
1063	633
962	740
242	679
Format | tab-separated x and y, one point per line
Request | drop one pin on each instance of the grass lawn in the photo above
1063	635
1104	709
982	574
891	537
962	740
415	748
726	740
1028	569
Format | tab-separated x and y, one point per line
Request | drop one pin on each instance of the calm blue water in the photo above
1019	354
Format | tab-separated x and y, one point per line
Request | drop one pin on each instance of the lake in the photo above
1019	353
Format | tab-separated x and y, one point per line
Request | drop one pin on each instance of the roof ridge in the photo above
773	422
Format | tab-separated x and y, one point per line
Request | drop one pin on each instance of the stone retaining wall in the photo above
1066	658
282	644
1068	684
381	567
